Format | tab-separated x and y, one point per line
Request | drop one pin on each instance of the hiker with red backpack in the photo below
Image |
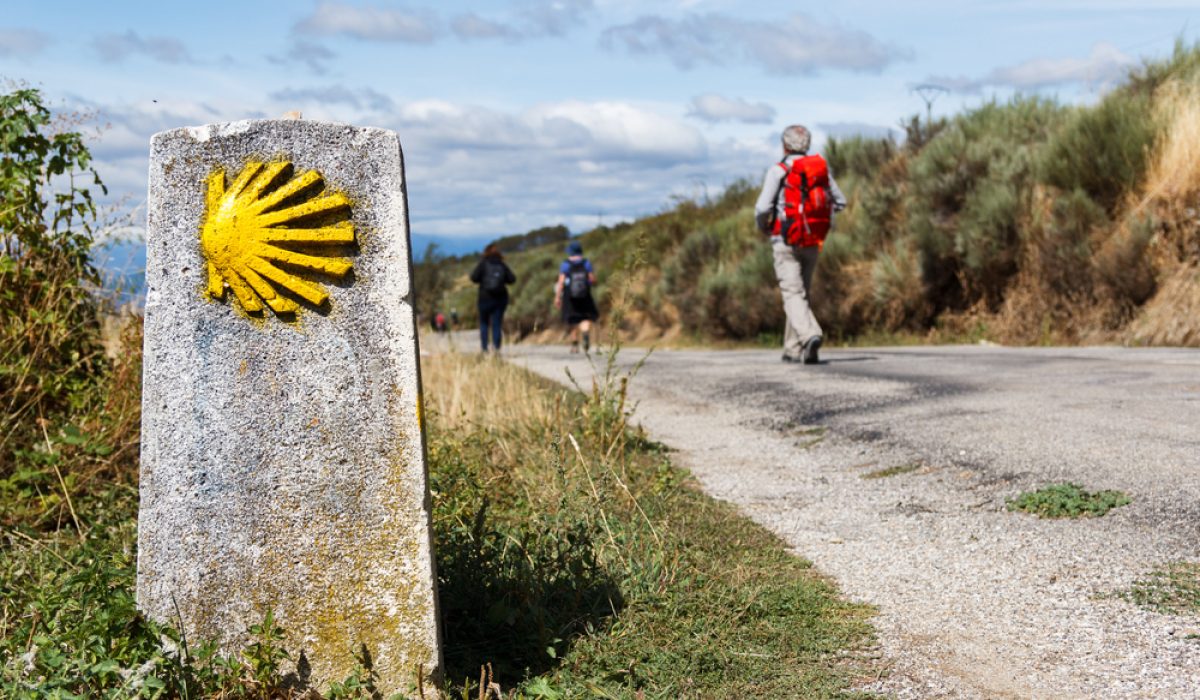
493	276
796	207
573	294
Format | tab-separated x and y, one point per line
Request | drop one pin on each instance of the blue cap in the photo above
574	248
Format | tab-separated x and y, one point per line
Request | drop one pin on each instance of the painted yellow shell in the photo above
245	221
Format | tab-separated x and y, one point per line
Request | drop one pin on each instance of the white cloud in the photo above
717	108
314	56
555	17
472	26
363	98
370	23
532	20
474	171
620	130
1105	65
798	45
117	47
566	161
22	42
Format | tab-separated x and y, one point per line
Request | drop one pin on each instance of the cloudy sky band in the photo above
577	111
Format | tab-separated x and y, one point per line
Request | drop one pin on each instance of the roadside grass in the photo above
574	561
1067	500
598	568
1173	588
893	471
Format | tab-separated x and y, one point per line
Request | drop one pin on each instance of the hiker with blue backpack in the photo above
493	276
796	208
573	294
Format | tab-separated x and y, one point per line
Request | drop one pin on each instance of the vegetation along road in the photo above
903	473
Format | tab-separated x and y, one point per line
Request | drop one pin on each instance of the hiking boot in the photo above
809	351
790	358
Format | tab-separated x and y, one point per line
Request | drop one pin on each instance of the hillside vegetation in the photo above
1021	222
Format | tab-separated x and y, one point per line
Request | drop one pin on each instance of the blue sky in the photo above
515	115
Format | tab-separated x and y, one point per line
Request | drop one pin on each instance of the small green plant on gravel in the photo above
1173	588
1067	501
893	471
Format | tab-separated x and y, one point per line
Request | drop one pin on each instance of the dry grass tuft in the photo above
1175	173
1170	318
479	390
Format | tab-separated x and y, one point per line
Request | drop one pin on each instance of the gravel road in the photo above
973	601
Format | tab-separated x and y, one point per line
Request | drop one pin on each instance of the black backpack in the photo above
494	277
578	283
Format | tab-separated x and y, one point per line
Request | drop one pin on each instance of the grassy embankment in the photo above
606	571
573	558
1021	222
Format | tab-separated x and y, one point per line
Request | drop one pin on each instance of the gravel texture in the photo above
973	601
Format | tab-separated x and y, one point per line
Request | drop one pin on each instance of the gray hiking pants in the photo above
794	267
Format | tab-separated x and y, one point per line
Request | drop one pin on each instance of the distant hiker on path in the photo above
573	294
796	206
493	277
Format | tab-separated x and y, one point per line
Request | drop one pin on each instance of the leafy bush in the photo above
859	156
737	300
1103	150
50	353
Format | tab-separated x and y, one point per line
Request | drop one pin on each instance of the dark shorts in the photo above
575	311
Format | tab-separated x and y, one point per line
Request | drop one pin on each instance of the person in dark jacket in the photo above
493	277
573	294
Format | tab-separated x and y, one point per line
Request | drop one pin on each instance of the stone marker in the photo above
283	456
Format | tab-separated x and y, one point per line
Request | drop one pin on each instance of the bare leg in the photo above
586	327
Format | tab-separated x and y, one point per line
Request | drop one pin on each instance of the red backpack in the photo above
807	209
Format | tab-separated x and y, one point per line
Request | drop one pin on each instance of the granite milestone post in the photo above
283	456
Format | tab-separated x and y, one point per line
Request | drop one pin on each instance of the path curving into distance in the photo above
974	601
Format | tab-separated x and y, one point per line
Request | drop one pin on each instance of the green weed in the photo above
1173	588
1067	501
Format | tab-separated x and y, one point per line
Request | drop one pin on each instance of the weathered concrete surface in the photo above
283	462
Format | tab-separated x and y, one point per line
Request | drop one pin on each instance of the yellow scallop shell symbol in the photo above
247	223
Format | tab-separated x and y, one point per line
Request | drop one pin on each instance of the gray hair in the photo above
796	139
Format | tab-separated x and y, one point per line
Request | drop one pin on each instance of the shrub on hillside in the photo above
967	192
1059	243
859	156
740	300
1103	150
